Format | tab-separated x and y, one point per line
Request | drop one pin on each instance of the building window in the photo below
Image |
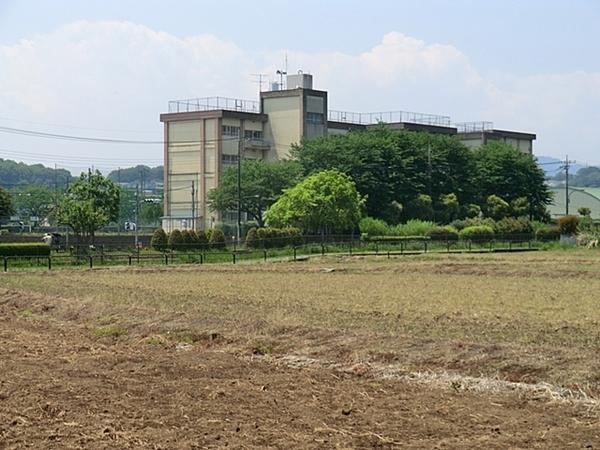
229	159
314	118
230	130
253	134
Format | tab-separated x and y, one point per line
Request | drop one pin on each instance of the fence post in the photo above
138	255
102	254
201	258
322	249
448	245
294	253
129	259
350	247
233	255
49	262
5	259
425	245
401	247
166	259
509	244
265	255
491	245
91	258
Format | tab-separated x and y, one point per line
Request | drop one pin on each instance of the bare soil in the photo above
64	384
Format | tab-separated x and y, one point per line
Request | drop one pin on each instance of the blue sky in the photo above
113	65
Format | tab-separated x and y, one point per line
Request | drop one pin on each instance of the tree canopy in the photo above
394	166
262	183
135	174
90	203
36	201
14	174
6	207
326	201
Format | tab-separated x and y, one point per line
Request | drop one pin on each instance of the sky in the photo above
104	68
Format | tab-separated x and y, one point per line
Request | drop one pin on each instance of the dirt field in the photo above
487	351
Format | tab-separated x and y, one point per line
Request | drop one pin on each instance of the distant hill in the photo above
551	166
138	174
14	174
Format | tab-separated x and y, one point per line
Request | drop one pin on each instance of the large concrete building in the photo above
203	137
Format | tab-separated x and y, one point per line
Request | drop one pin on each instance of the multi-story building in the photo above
203	137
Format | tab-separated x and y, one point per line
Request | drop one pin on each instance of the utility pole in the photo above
566	167
193	221
239	189
137	209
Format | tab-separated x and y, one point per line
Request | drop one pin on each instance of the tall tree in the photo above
324	202
6	207
37	201
90	203
393	167
262	183
504	171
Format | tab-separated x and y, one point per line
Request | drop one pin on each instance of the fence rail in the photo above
350	246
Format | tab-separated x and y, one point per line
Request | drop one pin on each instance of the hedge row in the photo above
188	240
25	249
268	237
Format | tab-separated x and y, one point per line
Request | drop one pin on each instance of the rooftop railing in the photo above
474	127
388	117
213	104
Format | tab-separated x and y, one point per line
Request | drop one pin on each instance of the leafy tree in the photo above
508	173
421	207
262	183
150	213
6	207
472	210
324	202
394	166
497	208
90	203
134	174
159	240
36	201
519	207
449	207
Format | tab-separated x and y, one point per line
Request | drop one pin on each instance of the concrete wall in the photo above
284	126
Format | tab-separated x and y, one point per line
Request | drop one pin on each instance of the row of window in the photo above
233	131
229	159
315	118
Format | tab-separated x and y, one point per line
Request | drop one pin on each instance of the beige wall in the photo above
284	125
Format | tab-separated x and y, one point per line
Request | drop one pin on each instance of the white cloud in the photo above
120	75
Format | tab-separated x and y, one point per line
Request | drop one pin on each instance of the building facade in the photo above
204	137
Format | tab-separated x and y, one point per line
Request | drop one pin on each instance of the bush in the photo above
202	240
374	227
514	226
270	237
175	240
217	239
445	233
25	249
472	210
252	238
458	224
159	240
584	211
568	225
413	227
209	234
477	233
548	234
394	238
187	240
497	208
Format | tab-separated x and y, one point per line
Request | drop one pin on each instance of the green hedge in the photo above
394	238
548	234
477	233
445	233
25	249
269	237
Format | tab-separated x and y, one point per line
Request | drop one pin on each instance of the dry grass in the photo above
529	317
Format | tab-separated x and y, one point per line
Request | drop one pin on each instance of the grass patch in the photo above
113	331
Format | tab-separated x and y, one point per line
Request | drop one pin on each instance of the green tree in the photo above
394	166
36	201
217	239
421	207
150	213
6	207
497	208
324	202
262	183
449	208
175	240
159	240
90	203
506	172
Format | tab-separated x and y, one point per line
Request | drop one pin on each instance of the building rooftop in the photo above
371	118
213	104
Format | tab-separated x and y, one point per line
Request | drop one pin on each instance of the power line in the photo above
58	125
67	137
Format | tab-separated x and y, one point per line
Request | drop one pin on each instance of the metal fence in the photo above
300	249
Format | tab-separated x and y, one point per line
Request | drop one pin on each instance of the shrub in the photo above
25	249
514	226
374	227
478	233
159	240
270	237
458	224
202	240
472	210
584	211
497	208
187	240
445	233
548	234
175	240
252	238
413	227
217	239
209	234
450	208
568	225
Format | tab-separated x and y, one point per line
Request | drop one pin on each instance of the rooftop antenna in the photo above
259	79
